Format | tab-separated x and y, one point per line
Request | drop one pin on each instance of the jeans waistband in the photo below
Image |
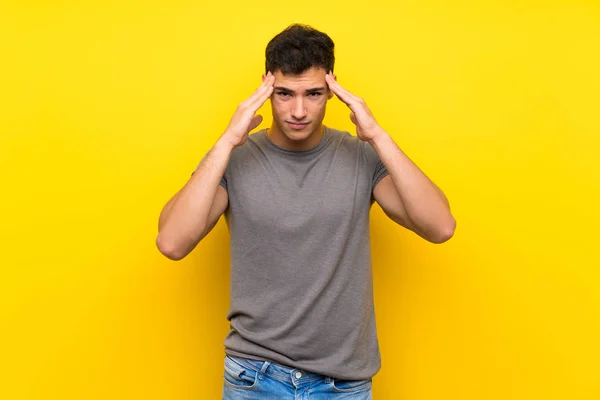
278	371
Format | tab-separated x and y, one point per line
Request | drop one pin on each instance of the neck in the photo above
280	139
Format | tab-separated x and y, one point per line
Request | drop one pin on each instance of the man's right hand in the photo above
244	120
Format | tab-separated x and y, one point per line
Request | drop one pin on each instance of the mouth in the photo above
297	125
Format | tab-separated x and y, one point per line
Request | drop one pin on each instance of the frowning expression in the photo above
299	102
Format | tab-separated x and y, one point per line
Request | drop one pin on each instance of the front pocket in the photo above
237	376
343	385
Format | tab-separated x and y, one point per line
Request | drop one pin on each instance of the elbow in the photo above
169	249
445	231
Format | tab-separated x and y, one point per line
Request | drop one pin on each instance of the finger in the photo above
266	81
264	88
255	122
338	89
333	84
261	97
340	92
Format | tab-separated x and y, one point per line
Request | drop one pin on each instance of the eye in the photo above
314	94
283	94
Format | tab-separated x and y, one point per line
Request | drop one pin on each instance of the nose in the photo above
298	110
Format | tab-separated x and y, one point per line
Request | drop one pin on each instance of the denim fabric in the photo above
246	379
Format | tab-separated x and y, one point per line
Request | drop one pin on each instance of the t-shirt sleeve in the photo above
380	173
375	167
223	178
377	170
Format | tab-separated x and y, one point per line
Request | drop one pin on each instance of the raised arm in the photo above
192	213
407	195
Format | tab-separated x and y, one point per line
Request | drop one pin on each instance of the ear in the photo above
263	77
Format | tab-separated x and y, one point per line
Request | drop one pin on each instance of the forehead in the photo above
309	79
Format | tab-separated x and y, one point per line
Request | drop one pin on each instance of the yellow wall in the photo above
106	108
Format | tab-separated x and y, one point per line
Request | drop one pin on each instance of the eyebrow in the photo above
284	89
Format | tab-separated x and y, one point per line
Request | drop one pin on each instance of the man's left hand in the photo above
367	127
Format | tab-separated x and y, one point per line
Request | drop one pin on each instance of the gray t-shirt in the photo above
301	281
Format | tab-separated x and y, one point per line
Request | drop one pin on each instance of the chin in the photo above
301	134
297	136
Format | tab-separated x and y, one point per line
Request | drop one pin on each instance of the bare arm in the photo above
196	208
407	195
192	213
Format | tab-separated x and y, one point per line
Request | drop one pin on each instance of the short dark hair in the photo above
298	48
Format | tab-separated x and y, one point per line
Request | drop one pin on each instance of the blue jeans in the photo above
246	379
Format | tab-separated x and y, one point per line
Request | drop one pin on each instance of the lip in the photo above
295	125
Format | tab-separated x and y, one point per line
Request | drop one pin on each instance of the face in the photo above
298	103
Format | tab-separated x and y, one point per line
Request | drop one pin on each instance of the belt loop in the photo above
263	369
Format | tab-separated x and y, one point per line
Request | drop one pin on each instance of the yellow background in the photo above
107	107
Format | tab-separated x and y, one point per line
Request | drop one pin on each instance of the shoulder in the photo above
338	134
353	143
255	142
343	140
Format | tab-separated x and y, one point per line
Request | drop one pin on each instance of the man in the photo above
296	198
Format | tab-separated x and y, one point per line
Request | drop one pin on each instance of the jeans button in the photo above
298	375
